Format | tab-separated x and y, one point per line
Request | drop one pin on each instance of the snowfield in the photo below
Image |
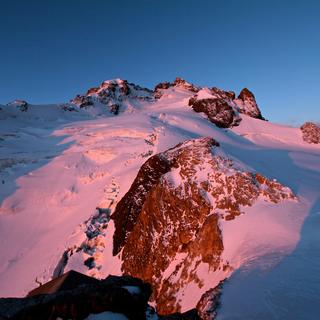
57	167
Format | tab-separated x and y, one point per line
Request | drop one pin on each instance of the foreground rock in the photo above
76	296
79	297
168	223
310	132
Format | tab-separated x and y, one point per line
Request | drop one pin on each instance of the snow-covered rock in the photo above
115	95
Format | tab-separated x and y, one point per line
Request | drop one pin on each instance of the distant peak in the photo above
177	83
112	94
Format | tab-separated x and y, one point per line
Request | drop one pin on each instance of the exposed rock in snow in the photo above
217	106
310	132
209	303
247	104
113	94
177	83
20	104
172	211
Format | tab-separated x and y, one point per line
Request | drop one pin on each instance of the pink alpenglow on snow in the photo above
188	188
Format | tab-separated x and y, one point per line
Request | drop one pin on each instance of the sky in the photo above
52	50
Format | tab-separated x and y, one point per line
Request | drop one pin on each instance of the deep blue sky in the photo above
52	50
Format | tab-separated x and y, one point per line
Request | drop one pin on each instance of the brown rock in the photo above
247	104
310	132
218	111
167	215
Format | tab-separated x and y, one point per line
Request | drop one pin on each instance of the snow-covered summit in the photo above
115	95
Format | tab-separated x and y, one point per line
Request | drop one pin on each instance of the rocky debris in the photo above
178	83
82	298
209	303
217	105
22	105
247	104
172	213
112	94
92	245
310	132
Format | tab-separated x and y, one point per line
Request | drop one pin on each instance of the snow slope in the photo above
57	166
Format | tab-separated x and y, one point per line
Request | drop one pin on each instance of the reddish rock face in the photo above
167	225
247	104
129	207
310	132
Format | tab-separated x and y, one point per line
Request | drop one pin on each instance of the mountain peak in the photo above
247	104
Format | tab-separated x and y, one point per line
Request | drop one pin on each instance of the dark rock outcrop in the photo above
77	302
167	224
218	111
22	105
188	315
209	303
310	132
112	94
222	108
129	207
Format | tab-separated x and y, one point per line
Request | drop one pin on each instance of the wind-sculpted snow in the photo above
174	219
